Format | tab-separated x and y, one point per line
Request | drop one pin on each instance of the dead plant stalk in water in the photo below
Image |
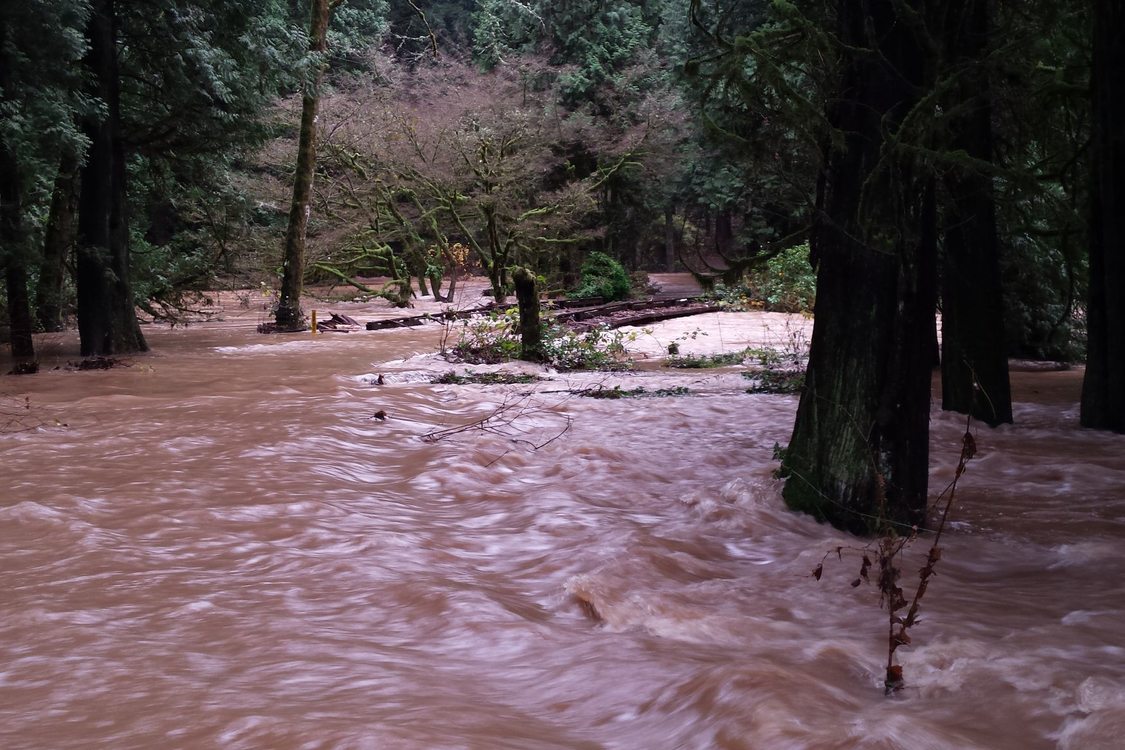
888	558
889	549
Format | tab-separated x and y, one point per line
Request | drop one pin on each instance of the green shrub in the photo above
706	361
598	349
617	392
735	297
495	338
604	277
485	378
489	340
769	380
787	283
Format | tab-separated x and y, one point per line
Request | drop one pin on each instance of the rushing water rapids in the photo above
222	548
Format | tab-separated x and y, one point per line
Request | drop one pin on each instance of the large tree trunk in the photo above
859	455
1103	391
107	320
289	316
974	372
13	252
57	242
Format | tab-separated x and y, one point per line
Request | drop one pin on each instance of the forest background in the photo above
607	137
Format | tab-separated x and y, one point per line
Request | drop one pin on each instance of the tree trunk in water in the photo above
1103	391
435	287
107	320
289	316
859	456
58	240
19	309
531	334
974	372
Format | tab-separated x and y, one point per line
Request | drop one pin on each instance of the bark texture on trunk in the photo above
107	320
289	316
859	455
974	373
57	242
1103	390
531	333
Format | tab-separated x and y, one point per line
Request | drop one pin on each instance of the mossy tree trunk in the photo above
289	316
859	454
974	373
1103	391
107	319
531	332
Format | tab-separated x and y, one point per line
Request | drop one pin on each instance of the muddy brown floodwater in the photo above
219	547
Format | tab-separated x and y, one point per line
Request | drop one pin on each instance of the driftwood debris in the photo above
338	323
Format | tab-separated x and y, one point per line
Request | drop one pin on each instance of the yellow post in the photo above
314	322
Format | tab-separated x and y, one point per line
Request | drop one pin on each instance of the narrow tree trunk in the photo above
724	232
974	373
859	455
497	258
669	238
531	334
19	309
288	315
107	320
1103	390
57	243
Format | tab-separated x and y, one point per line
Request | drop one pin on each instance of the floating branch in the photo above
503	421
